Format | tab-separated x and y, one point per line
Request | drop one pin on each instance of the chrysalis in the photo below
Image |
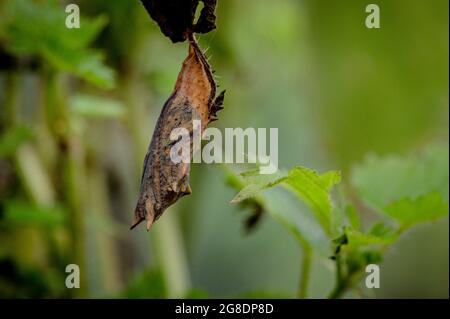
194	98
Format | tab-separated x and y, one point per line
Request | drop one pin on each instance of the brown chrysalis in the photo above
194	98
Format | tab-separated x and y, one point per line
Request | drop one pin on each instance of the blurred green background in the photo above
78	108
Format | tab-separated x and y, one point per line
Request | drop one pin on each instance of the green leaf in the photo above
87	64
283	207
253	183
408	212
381	229
26	214
13	138
384	180
149	284
196	293
297	219
358	239
307	184
96	107
38	28
312	188
409	189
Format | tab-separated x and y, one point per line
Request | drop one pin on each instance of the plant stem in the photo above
305	273
75	181
341	282
338	291
170	253
103	262
11	98
74	170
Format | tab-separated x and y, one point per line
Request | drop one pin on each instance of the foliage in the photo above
11	139
32	29
409	190
149	284
20	213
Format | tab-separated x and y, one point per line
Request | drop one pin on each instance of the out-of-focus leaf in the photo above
27	214
410	190
13	138
96	107
382	181
28	281
149	284
197	294
381	229
358	239
86	64
33	173
39	29
408	212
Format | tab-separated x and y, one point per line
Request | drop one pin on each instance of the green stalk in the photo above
35	178
11	112
170	253
105	274
305	273
74	171
74	184
341	281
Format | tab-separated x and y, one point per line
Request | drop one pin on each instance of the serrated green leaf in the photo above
408	212
96	107
410	189
383	180
314	190
285	209
253	183
358	239
306	184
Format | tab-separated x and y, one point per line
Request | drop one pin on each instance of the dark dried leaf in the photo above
176	17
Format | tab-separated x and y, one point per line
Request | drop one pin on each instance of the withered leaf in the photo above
163	181
176	17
